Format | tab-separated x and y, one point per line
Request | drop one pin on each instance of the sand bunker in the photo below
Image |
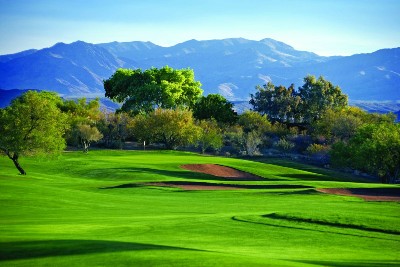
222	171
369	194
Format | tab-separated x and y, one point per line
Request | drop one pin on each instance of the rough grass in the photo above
61	215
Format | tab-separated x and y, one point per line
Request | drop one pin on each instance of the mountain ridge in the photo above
232	67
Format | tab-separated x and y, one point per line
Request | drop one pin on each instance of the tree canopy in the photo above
210	135
374	148
80	112
173	128
318	95
87	135
277	102
143	91
33	124
215	106
305	105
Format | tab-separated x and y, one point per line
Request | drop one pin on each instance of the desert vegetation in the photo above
166	107
170	205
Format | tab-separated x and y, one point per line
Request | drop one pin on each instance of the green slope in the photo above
76	211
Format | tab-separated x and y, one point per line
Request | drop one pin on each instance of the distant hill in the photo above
231	67
75	69
6	58
6	96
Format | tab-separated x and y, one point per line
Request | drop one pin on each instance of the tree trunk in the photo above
85	145
14	158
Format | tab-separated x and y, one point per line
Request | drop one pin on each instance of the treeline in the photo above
166	106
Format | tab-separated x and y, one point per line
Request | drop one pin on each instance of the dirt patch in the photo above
222	171
368	194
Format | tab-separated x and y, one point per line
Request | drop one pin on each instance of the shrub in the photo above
210	136
284	145
252	141
317	149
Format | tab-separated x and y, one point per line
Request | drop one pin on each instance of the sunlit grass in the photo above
60	214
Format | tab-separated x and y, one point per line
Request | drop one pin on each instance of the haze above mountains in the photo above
231	67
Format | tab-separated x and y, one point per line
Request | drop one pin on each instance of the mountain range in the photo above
232	67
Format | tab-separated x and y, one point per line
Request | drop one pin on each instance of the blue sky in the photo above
326	27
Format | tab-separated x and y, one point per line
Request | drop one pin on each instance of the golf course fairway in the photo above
131	208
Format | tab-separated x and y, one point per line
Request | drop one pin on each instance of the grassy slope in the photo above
61	215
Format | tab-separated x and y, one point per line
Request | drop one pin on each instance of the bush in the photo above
210	136
284	145
301	141
252	141
314	149
279	129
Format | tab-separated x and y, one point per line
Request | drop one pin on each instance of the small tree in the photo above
375	148
116	128
32	125
210	136
80	112
87	135
338	124
252	141
173	128
255	126
254	121
215	106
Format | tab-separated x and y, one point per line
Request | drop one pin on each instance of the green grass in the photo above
76	211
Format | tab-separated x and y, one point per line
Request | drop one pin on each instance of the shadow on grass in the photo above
131	185
300	192
327	223
351	263
320	174
244	186
54	248
307	177
186	183
235	218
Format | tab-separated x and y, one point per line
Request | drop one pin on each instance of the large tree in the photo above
33	124
303	106
277	102
143	91
317	96
215	106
